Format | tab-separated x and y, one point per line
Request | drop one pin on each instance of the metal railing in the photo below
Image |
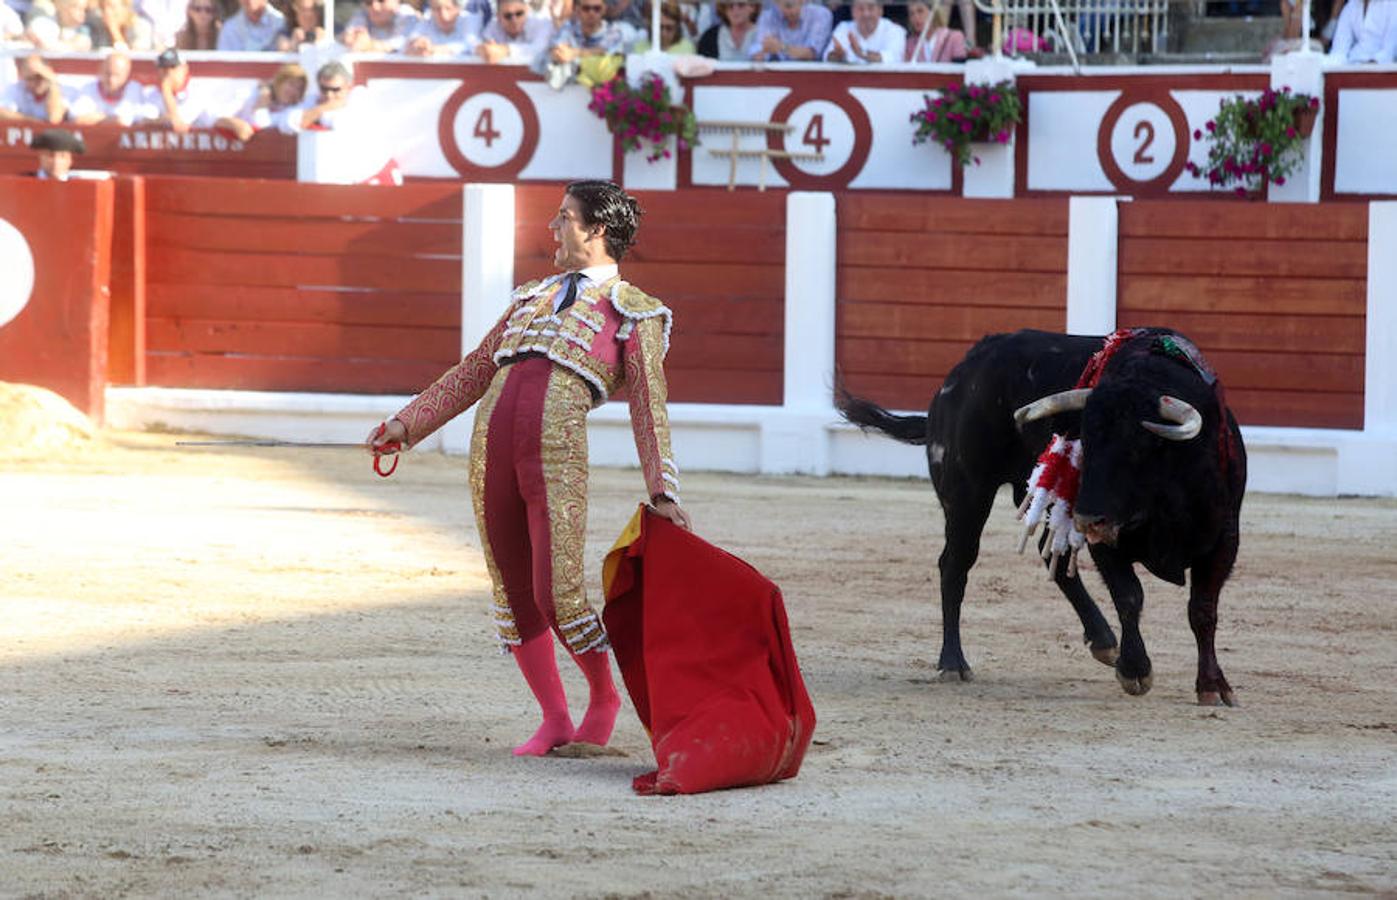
1079	27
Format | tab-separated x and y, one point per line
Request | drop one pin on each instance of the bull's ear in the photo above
1186	421
1051	405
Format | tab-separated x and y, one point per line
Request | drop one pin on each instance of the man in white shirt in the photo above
1366	33
35	96
254	28
380	26
11	25
166	18
171	100
66	29
113	96
514	36
447	31
867	38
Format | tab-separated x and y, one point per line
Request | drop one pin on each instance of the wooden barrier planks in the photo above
1274	294
716	259
261	285
921	279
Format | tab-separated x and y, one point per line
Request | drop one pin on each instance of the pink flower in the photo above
931	117
1265	149
974	92
1211	125
1002	137
994	98
1240	191
1314	103
975	159
966	127
1280	179
1197	135
1290	132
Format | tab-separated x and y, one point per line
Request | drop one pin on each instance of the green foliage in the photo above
1253	141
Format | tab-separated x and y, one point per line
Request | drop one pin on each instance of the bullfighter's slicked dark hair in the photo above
605	203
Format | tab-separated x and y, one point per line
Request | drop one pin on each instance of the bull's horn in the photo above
1172	409
1051	405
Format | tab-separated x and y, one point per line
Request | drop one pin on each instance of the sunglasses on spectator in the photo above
517	14
591	8
331	88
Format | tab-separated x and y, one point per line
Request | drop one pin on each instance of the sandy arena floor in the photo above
267	673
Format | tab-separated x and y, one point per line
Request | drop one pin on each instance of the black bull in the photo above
1155	489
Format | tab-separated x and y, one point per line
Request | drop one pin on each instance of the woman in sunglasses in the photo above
202	21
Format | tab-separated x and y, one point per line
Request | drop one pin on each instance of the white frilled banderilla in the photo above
1052	489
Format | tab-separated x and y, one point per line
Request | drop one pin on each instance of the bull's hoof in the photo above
1107	656
1136	687
956	675
1217	698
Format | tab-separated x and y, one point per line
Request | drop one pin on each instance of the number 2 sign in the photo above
1142	143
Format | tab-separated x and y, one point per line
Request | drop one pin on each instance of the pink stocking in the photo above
603	704
540	669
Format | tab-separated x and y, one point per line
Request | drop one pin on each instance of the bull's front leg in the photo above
1133	669
1204	587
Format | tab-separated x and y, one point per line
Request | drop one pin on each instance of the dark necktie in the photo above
570	294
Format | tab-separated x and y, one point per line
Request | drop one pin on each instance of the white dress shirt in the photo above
889	40
590	275
128	106
1366	36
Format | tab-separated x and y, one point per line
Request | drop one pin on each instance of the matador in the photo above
563	347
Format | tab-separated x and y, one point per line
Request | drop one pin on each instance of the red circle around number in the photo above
858	154
1161	183
446	132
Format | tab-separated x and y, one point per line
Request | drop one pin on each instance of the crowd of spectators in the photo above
549	35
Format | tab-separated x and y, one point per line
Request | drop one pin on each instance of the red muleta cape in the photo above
704	649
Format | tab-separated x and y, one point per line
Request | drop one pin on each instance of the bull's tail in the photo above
867	414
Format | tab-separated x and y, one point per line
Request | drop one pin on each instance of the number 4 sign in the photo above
488	132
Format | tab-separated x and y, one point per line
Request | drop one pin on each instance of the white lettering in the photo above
157	141
124	142
204	143
142	141
238	146
12	136
187	141
220	143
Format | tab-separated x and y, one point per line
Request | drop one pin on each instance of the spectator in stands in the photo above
672	37
793	30
11	25
56	148
930	39
1366	33
555	12
588	34
118	26
734	39
306	25
867	38
380	26
254	28
113	96
273	104
66	29
166	17
332	102
173	103
627	11
513	36
36	95
446	31
202	23
1290	40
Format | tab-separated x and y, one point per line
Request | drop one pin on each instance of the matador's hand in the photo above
386	438
674	512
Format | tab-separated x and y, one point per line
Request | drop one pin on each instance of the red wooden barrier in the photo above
718	260
58	340
1274	294
279	286
921	279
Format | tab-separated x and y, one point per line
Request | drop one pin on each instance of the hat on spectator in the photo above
58	141
168	59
